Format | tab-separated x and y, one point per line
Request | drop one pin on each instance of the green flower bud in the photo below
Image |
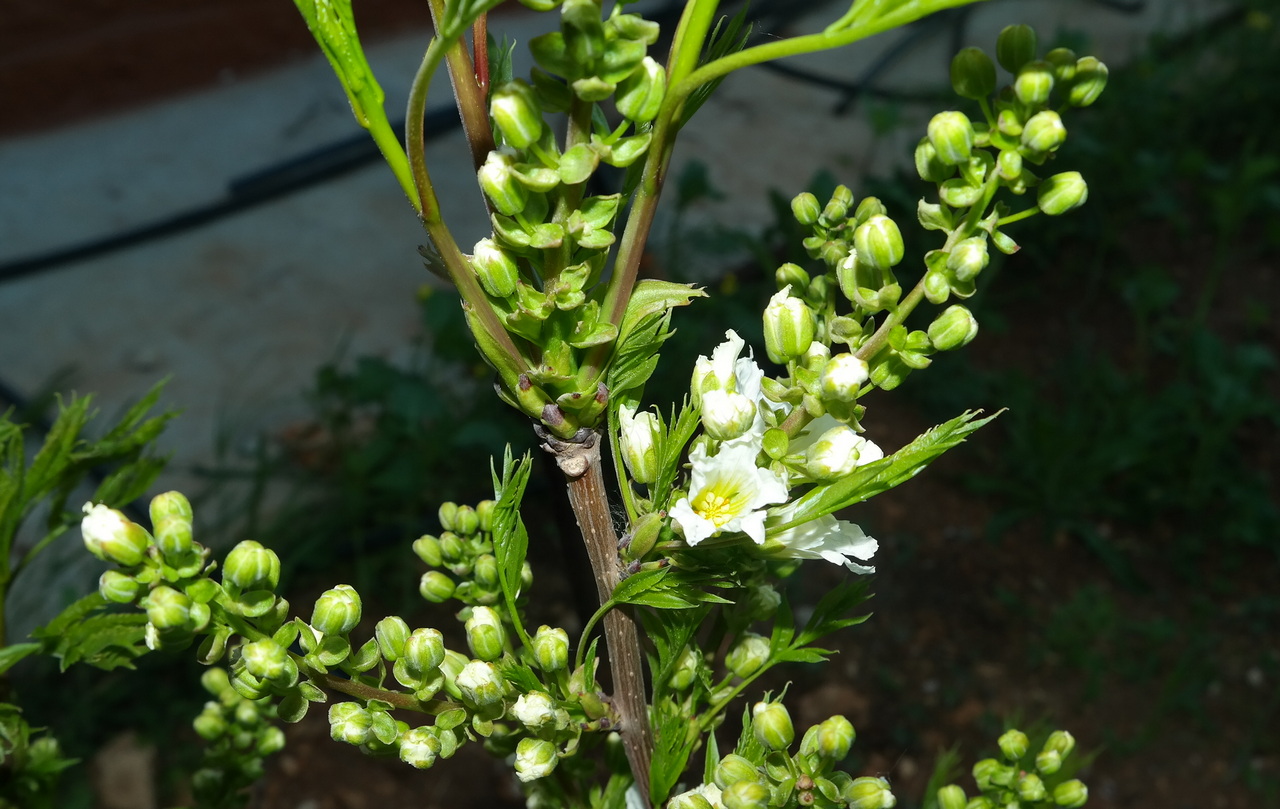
639	434
486	571
1089	82
1031	788
446	514
1015	46
495	269
436	587
973	74
747	655
929	165
250	566
466	522
831	740
879	242
1071	794
337	611
695	799
216	681
788	327
209	725
424	652
427	548
535	758
1009	165
171	518
954	328
988	772
1061	193
514	109
1061	742
869	793
167	608
951	797
791	275
772	725
980	802
745	795
1008	122
837	452
270	740
734	769
112	537
951	135
1044	133
1048	762
583	32
968	258
497	179
842	377
419	748
480	683
551	648
937	287
1064	65
1013	744
268	660
537	710
1034	83
118	587
640	94
763	600
805	208
451	547
350	723
485	634
727	415
392	633
484	510
686	669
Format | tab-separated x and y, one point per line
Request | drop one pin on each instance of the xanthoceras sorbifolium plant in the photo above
724	496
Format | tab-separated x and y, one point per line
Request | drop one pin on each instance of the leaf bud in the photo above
515	111
951	135
337	611
734	769
535	758
392	633
772	725
727	415
250	566
167	608
954	328
436	587
747	655
1071	794
268	660
1034	83
1061	193
424	652
686	669
869	793
929	165
640	94
745	795
112	537
879	242
1015	46
118	587
788	327
350	723
805	208
639	433
973	74
419	747
479	683
1089	82
486	636
171	518
837	452
1013	744
1044	133
497	178
551	648
495	269
968	258
843	376
951	797
1031	788
534	710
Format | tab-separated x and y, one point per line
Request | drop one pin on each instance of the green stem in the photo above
366	692
1017	217
568	197
393	152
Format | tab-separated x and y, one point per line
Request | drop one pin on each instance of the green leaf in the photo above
874	478
830	613
673	743
670	631
724	41
520	675
10	655
671	452
510	539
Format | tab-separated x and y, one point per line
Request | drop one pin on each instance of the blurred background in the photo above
184	196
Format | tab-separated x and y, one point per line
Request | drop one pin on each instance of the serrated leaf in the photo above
832	610
510	539
520	675
672	745
73	613
10	655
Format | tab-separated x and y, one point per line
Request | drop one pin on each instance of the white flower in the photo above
639	434
533	710
727	415
839	451
843	377
837	541
726	495
731	373
708	793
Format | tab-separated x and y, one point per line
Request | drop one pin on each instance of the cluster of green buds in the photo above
238	734
764	771
1021	779
541	267
461	558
